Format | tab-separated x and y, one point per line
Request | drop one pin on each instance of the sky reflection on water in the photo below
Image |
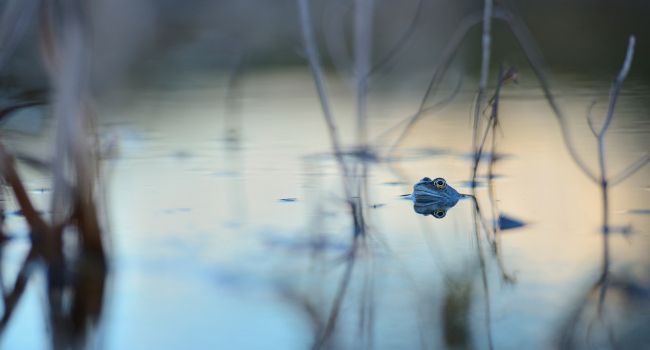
191	216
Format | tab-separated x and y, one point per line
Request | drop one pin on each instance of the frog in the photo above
434	197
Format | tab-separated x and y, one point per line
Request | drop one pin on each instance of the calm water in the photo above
221	244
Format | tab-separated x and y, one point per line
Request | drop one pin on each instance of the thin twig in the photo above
412	119
399	44
11	300
615	90
484	279
338	300
441	67
314	63
590	121
37	224
629	170
486	41
362	52
616	86
336	42
536	62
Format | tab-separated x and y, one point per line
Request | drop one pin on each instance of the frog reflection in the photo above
434	197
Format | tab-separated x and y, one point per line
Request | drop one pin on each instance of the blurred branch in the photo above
12	298
363	10
332	320
4	112
336	43
439	70
315	66
486	286
7	167
536	62
486	41
616	86
630	170
17	17
399	44
590	120
411	120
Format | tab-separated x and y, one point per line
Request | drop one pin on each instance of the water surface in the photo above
228	227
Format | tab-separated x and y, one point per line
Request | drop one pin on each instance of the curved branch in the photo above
590	121
399	43
537	64
616	85
629	170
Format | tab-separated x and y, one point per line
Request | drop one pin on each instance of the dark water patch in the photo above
472	184
40	190
393	183
419	154
509	223
485	156
19	212
30	120
363	154
624	230
491	176
225	173
182	154
227	278
179	210
288	200
639	291
373	155
319	243
637	211
35	163
233	224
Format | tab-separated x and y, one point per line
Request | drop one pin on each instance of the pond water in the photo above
228	227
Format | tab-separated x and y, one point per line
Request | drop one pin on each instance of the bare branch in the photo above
486	43
616	85
315	66
37	224
629	170
590	119
390	54
11	300
536	62
412	119
17	17
336	42
363	10
18	106
441	67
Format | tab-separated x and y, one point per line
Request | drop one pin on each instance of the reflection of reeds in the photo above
604	179
456	310
486	42
75	277
355	172
605	182
313	56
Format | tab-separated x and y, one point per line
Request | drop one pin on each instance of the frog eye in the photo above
426	179
440	183
439	213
